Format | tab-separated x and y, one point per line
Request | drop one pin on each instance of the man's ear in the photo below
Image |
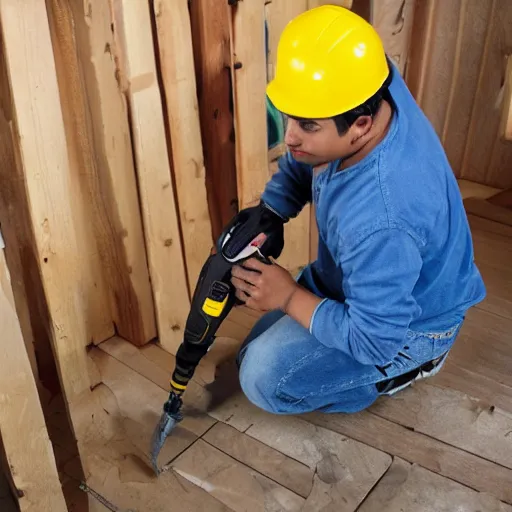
361	127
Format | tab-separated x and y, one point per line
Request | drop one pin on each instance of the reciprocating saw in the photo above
254	232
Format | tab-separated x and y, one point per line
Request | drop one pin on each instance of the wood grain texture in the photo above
25	440
471	32
284	470
341	3
416	448
138	76
212	53
103	131
42	164
454	418
86	202
122	412
234	484
393	19
487	210
487	156
345	470
506	111
248	64
176	59
410	487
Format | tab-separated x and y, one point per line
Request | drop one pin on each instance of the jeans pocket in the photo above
438	342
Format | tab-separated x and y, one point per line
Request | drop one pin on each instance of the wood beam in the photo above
179	83
137	73
210	35
248	64
27	447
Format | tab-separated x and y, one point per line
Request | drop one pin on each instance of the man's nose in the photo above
291	136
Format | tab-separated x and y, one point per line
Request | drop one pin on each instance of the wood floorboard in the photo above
408	487
443	445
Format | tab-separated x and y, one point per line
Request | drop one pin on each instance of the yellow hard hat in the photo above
329	60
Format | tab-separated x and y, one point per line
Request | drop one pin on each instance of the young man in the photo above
385	299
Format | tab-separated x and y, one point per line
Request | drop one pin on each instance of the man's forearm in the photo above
301	305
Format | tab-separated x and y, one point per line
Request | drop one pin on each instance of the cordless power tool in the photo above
254	232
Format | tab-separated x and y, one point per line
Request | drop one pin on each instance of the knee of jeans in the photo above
259	375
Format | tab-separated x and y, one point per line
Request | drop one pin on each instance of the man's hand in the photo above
263	287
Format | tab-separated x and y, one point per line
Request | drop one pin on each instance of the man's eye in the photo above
309	127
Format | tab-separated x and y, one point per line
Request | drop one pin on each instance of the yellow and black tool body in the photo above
254	232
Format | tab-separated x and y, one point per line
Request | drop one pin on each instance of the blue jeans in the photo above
285	370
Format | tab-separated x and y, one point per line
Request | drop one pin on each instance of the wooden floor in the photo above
444	445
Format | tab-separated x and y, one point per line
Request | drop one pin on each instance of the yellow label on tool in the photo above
213	307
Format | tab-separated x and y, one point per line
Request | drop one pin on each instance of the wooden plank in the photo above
442	54
210	34
195	399
487	156
392	19
506	112
90	216
458	465
25	440
472	189
98	128
475	385
421	38
138	75
472	29
249	83
284	470
503	199
483	346
234	484
345	470
179	82
454	418
487	210
409	487
121	413
42	165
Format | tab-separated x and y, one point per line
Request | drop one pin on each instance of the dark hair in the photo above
369	108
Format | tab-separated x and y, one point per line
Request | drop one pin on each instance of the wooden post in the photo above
31	103
98	136
25	439
178	76
138	77
210	31
248	62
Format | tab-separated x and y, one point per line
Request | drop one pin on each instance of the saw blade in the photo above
163	429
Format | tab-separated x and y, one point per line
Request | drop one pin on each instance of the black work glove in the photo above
249	224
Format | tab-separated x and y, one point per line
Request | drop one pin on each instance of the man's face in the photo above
316	142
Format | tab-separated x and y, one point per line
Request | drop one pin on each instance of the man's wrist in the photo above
301	305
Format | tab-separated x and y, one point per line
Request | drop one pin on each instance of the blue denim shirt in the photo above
395	251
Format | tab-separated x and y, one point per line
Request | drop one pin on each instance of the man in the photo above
384	301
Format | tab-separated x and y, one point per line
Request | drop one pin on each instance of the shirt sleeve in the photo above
379	276
289	189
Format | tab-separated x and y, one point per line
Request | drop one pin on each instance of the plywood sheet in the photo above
410	487
237	486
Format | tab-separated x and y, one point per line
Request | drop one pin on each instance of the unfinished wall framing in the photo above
122	158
